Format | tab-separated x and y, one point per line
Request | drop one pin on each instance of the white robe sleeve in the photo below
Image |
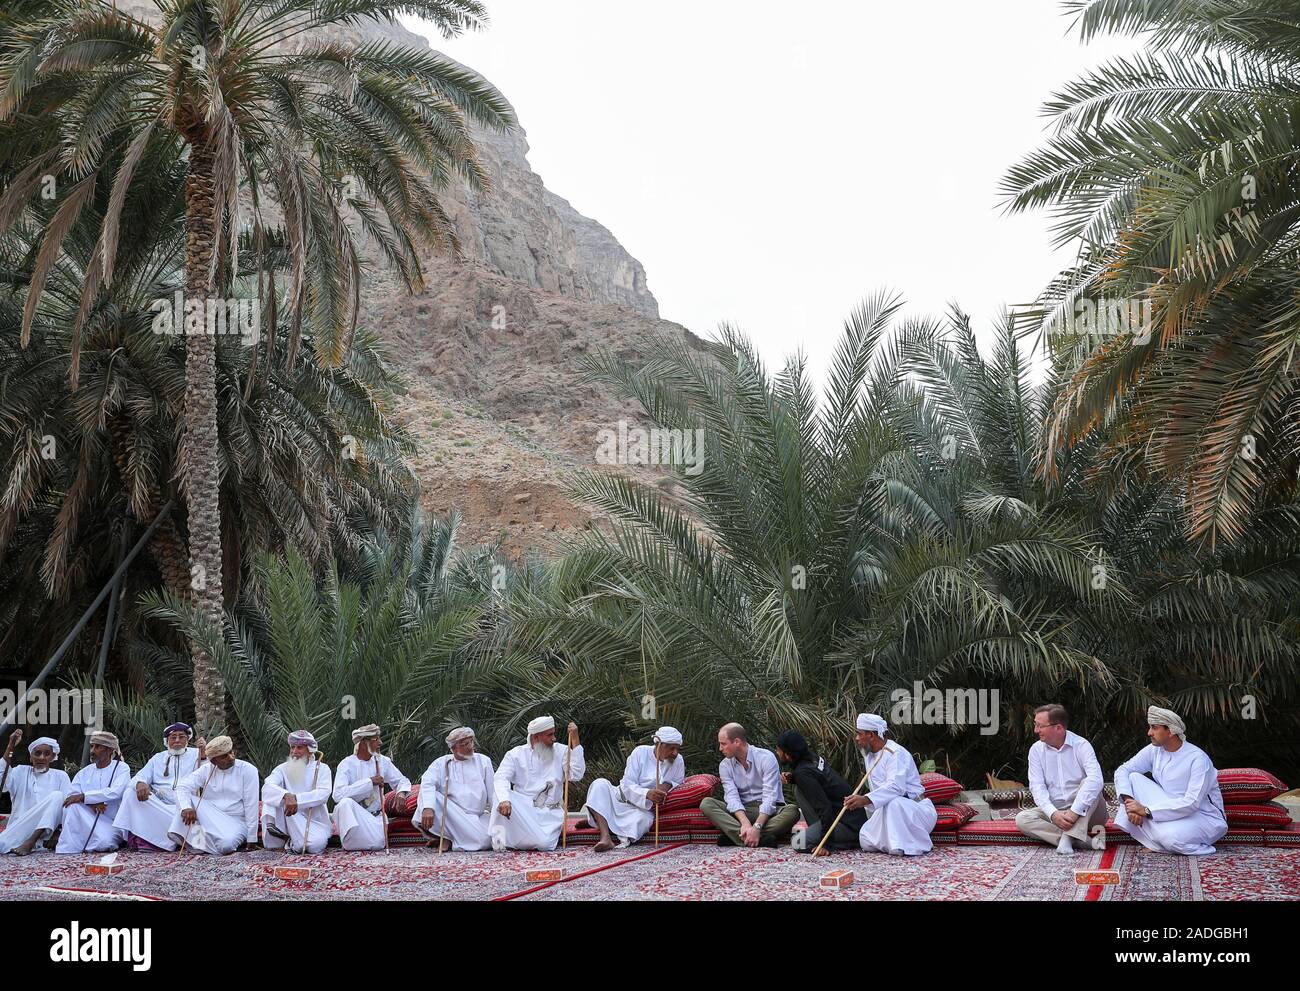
677	773
1139	763
505	776
1093	782
250	804
318	796
1200	779
187	788
632	787
487	780
894	785
145	775
11	779
395	779
273	789
360	788
577	765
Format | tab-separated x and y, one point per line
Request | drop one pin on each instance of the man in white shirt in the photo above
899	816
1179	809
753	811
295	812
1066	782
37	792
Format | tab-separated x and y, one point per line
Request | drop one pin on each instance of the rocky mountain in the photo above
491	349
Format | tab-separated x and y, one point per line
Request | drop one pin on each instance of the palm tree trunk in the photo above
200	447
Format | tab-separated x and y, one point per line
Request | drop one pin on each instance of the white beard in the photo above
544	753
40	770
295	773
178	751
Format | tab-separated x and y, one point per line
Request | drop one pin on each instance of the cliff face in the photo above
491	350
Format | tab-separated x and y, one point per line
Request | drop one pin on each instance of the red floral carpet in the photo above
685	873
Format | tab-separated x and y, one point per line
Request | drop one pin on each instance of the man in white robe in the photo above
1066	781
456	793
97	791
358	790
1179	809
146	817
217	803
529	786
899	816
36	795
295	797
628	811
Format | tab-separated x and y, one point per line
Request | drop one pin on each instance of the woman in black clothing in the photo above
820	792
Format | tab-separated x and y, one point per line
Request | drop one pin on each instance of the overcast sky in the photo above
773	163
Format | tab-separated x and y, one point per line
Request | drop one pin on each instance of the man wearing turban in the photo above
146	817
97	791
358	791
628	810
217	803
456	796
295	797
1179	809
529	787
36	793
899	816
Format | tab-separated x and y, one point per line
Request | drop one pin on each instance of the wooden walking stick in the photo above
564	826
202	792
382	817
845	808
446	789
9	759
306	831
659	803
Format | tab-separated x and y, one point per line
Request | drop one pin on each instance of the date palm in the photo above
274	123
1174	172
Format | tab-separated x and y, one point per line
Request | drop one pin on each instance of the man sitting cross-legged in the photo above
1066	782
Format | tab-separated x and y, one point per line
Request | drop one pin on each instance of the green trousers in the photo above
778	827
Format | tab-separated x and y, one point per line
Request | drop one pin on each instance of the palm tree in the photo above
302	130
412	636
1175	173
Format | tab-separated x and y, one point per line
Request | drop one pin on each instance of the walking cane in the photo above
657	804
446	789
91	835
202	792
9	760
382	818
306	832
845	808
564	827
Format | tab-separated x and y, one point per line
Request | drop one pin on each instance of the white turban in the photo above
364	732
540	725
44	741
1157	716
456	735
666	734
221	745
869	723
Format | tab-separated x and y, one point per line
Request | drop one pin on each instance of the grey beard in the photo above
545	754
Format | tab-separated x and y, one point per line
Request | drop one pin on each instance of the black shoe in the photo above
723	841
767	841
279	834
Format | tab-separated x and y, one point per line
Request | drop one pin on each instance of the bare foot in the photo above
604	845
444	845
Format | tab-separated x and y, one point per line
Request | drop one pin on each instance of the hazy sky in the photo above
771	163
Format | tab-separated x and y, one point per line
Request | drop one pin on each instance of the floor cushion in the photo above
952	815
1246	785
690	793
939	787
1261	815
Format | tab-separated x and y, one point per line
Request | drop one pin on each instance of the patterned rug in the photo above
684	873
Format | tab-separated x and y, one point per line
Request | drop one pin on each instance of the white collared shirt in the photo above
760	782
1066	778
